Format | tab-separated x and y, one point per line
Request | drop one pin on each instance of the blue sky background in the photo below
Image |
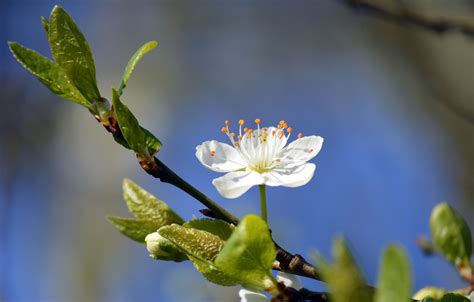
381	95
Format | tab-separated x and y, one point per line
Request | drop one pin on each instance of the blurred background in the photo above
394	103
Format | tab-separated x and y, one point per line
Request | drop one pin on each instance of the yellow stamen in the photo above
246	130
241	122
224	129
289	129
258	121
300	135
212	153
226	122
232	134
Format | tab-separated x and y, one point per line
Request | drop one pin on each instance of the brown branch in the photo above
403	16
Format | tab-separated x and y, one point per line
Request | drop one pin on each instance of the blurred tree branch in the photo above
403	16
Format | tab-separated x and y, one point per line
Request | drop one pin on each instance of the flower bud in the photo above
162	249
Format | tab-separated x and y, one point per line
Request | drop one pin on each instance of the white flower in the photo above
287	279
259	156
471	296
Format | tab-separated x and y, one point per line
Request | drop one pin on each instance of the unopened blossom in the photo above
287	279
259	156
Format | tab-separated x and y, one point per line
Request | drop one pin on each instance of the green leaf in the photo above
249	253
394	283
343	277
202	248
48	72
145	206
217	227
72	52
196	243
451	297
131	130
134	229
212	273
451	235
134	61
45	24
153	144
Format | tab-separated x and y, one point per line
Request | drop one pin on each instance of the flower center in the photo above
259	147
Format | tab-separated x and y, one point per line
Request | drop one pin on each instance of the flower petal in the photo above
234	184
219	157
289	280
292	176
302	149
250	296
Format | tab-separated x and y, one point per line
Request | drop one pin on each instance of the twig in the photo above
286	262
403	16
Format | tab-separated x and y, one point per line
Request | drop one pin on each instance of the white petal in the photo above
292	176
302	149
234	184
219	157
289	280
250	296
471	296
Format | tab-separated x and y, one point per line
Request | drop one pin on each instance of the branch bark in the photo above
403	16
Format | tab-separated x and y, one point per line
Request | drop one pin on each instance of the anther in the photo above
241	122
212	153
226	122
300	135
232	134
309	150
289	129
258	121
224	129
246	130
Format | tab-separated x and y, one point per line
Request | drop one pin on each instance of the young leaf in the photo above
153	144
451	235
131	130
249	253
134	229
201	247
72	53
48	72
196	243
45	24
217	227
343	277
147	47
394	283
145	206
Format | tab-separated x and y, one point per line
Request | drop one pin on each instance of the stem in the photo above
165	174
263	202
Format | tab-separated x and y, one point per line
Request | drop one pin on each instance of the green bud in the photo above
162	249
